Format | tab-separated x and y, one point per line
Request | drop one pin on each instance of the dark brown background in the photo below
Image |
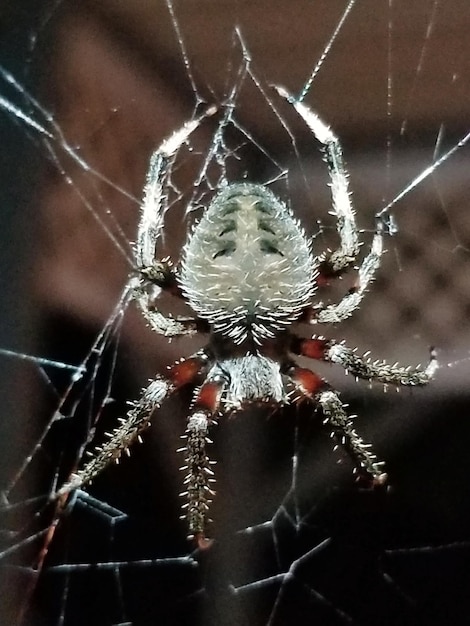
113	78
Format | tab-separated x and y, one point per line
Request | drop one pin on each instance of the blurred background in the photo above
112	81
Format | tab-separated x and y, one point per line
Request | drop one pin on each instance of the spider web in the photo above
87	93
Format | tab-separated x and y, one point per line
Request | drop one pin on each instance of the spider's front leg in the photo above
367	465
138	419
363	367
152	275
199	479
315	388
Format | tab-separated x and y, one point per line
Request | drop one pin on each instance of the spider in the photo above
249	275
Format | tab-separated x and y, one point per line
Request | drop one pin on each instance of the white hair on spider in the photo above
247	226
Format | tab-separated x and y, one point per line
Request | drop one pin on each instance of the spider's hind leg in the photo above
339	261
152	275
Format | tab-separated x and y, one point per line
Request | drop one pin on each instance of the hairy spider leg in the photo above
362	366
152	275
342	259
153	205
313	387
200	477
333	313
185	372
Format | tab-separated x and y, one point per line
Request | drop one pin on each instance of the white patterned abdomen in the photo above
247	267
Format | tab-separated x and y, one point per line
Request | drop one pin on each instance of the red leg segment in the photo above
311	348
187	371
307	381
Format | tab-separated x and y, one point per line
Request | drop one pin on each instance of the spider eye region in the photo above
247	266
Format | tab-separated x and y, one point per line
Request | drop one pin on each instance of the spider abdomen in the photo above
247	267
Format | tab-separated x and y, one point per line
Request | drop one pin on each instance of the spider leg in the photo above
343	258
363	367
315	388
137	420
200	477
146	288
333	313
152	214
343	432
151	276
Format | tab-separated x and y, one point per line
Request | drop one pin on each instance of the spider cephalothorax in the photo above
249	276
